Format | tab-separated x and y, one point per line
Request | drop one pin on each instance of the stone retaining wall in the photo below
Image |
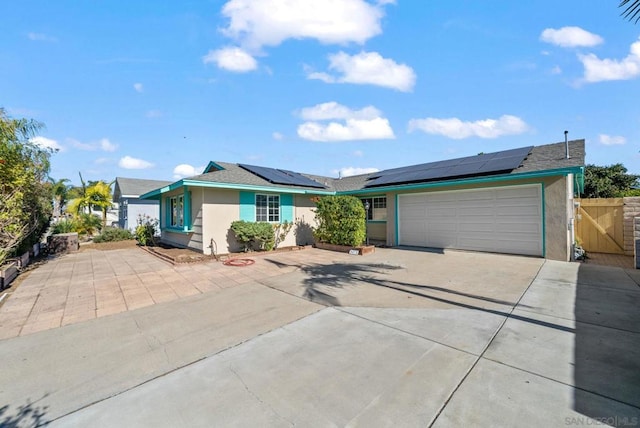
631	210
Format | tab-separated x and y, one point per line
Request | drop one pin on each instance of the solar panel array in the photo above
281	176
483	164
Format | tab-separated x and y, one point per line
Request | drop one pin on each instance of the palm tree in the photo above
93	194
632	11
99	195
60	190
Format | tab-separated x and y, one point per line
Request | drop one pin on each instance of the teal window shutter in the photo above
167	209
186	209
286	208
247	206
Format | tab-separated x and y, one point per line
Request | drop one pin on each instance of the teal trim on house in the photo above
248	206
167	210
579	178
212	166
397	225
449	183
286	207
186	210
544	224
155	194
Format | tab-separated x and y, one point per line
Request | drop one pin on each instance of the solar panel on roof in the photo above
490	163
281	176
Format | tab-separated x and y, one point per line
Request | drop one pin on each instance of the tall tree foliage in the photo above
25	193
608	181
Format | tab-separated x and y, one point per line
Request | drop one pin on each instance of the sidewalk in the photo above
81	286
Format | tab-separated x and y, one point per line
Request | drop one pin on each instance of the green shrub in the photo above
64	226
112	234
146	230
252	234
87	224
341	220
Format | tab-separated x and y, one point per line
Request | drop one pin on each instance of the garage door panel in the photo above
476	227
507	220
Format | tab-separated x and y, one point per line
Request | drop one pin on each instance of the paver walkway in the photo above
81	286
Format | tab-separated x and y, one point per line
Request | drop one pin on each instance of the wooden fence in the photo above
600	225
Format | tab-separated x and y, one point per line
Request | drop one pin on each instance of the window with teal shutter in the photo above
247	206
286	208
187	210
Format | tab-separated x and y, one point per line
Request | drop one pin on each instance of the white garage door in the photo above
501	220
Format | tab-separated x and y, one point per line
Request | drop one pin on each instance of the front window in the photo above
176	205
268	208
377	208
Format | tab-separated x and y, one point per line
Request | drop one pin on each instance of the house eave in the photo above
156	194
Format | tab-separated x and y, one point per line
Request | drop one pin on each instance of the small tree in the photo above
146	230
341	220
607	181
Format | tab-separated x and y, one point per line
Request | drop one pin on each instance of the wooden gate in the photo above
600	225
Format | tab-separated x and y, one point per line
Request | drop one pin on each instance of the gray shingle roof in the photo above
234	174
541	158
134	187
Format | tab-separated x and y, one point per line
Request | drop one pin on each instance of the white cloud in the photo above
556	70
154	114
185	170
258	23
103	144
277	136
47	143
611	140
138	87
352	129
231	59
107	145
350	170
568	37
368	68
457	129
129	162
358	153
598	70
364	124
333	110
40	37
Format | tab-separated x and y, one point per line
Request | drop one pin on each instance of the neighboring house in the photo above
516	201
126	194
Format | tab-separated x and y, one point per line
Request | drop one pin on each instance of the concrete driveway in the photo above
398	338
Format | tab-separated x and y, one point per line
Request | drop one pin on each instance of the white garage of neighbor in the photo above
499	219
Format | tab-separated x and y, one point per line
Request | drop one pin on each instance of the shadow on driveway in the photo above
607	344
340	275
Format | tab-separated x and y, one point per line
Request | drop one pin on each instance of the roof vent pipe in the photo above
566	144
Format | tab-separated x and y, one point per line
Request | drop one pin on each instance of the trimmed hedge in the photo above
341	220
254	234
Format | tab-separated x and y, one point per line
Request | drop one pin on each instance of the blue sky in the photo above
158	89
